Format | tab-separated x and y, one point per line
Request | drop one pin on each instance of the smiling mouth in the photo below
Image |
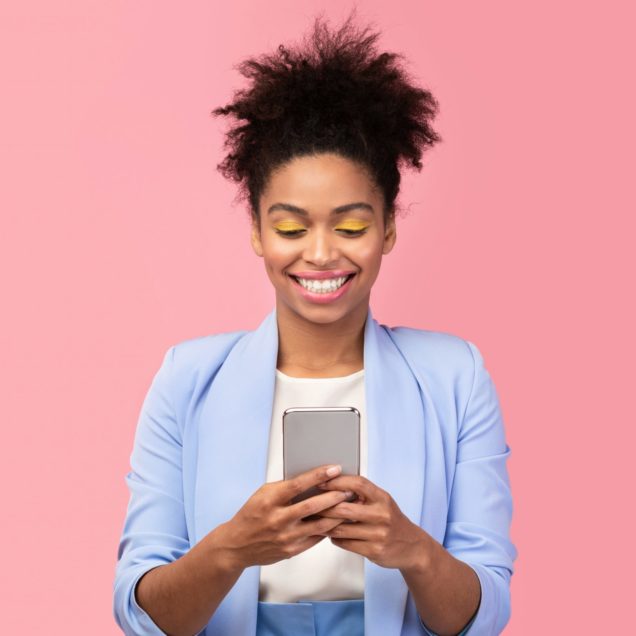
325	286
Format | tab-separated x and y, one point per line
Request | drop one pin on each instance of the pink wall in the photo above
119	239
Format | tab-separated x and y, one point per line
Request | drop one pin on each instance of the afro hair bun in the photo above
335	93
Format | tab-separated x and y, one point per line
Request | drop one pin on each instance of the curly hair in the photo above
336	94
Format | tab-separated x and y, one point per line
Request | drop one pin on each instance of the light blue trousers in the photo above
311	618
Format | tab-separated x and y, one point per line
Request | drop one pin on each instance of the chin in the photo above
321	314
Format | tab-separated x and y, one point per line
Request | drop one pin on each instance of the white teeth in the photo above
323	286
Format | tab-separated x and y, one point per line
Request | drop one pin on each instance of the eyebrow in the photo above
341	209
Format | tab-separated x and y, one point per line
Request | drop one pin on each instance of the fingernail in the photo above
333	470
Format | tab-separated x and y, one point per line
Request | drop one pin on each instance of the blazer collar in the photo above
233	437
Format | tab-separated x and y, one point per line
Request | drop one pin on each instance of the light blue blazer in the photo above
436	443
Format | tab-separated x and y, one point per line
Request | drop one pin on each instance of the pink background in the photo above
119	239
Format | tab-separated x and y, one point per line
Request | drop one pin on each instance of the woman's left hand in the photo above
380	532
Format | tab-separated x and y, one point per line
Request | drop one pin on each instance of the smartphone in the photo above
321	435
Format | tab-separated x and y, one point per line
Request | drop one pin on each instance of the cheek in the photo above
277	254
369	255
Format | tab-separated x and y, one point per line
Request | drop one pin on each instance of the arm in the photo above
182	596
445	590
477	544
161	586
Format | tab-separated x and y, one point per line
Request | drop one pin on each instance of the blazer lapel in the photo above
232	457
395	463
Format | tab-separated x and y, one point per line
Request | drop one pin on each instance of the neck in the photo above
316	347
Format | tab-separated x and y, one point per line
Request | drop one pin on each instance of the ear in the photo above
390	234
255	237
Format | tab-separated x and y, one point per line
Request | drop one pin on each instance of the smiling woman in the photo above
215	541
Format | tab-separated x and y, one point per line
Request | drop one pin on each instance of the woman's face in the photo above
321	220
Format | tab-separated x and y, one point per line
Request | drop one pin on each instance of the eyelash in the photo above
295	233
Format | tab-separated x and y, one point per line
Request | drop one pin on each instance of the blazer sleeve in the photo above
154	531
480	509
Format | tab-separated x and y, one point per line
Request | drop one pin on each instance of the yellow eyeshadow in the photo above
352	224
288	226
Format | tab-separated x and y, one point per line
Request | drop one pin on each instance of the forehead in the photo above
324	180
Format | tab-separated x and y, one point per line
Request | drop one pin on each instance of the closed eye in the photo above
289	232
295	233
352	232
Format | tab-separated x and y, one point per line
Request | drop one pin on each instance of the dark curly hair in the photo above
334	94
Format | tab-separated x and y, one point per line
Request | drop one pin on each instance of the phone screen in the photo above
316	436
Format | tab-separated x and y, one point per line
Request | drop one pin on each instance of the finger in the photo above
362	548
289	488
358	484
353	512
315	504
362	532
319	527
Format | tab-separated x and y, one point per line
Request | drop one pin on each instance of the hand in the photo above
268	529
380	531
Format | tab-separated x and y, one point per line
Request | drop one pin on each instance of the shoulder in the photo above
203	353
451	373
429	340
193	351
440	349
189	365
439	359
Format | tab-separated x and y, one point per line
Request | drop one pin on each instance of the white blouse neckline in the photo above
290	378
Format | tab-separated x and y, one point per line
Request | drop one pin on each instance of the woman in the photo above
211	542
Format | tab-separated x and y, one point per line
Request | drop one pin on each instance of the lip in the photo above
315	275
322	298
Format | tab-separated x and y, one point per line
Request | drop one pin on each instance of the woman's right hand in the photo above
268	528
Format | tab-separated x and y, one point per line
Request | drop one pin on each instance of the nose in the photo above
320	248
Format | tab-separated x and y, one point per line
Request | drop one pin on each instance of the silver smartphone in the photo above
321	435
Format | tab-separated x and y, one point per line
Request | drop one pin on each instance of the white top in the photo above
324	572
